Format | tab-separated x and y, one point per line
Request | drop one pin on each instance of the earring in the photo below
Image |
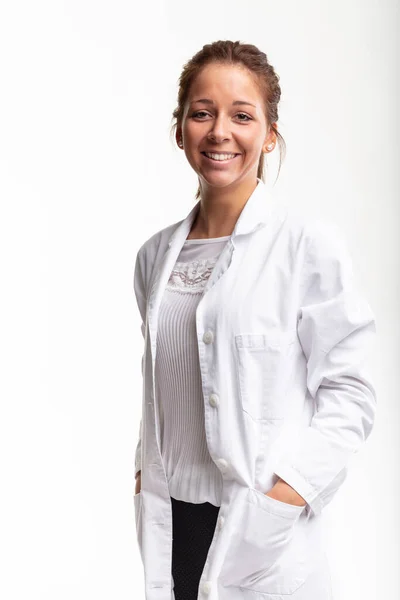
180	144
270	146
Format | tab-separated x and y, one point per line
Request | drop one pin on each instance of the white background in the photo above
88	172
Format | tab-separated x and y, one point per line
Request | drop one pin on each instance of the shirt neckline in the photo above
206	240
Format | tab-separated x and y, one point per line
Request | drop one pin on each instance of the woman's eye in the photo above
202	112
244	115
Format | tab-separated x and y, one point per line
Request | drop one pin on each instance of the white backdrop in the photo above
87	173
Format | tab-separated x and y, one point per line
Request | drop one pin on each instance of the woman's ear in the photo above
178	137
270	139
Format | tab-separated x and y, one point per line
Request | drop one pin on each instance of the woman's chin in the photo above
213	177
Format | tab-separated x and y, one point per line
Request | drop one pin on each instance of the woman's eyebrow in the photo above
236	102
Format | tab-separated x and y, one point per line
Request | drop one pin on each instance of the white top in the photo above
192	474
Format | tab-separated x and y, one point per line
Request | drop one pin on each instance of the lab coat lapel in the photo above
164	270
156	292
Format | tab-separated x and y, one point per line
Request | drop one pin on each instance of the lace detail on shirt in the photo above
191	276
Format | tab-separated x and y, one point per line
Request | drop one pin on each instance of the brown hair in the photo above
249	56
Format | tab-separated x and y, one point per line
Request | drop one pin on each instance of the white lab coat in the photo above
283	336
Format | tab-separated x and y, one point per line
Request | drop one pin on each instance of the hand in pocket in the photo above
261	535
138	483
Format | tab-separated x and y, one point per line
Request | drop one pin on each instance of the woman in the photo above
255	392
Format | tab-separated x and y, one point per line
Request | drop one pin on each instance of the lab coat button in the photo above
206	587
221	521
222	464
208	337
213	400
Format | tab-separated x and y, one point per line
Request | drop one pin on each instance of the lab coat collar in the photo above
255	214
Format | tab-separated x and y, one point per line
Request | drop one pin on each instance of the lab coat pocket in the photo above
261	370
137	499
262	532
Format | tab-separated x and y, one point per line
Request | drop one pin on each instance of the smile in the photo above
221	158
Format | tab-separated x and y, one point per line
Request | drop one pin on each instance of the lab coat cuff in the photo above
301	486
311	464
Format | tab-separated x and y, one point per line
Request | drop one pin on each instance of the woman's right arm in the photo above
138	483
140	294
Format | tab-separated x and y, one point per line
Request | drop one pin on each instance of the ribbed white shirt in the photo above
192	475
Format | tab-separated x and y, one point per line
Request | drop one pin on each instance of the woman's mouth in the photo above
219	157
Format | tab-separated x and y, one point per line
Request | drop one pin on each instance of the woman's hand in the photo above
285	493
138	485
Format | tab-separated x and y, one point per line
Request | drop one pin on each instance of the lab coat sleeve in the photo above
139	288
336	328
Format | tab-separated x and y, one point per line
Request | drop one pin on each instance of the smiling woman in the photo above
225	122
255	392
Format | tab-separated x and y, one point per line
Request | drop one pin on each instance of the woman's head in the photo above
210	116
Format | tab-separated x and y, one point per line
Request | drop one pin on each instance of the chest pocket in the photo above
263	367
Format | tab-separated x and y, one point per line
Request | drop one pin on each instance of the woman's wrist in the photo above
285	493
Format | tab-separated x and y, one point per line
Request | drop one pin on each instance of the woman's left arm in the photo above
285	493
336	328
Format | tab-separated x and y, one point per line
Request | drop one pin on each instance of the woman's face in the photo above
224	114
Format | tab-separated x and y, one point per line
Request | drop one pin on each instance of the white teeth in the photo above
219	156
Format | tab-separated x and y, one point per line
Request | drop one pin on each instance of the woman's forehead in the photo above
216	82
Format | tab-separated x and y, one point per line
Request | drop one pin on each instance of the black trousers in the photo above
193	528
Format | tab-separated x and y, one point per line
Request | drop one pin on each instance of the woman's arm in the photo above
336	328
139	288
285	493
138	482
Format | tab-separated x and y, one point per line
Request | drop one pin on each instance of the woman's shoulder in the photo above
315	230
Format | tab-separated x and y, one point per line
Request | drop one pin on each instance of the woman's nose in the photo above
220	130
